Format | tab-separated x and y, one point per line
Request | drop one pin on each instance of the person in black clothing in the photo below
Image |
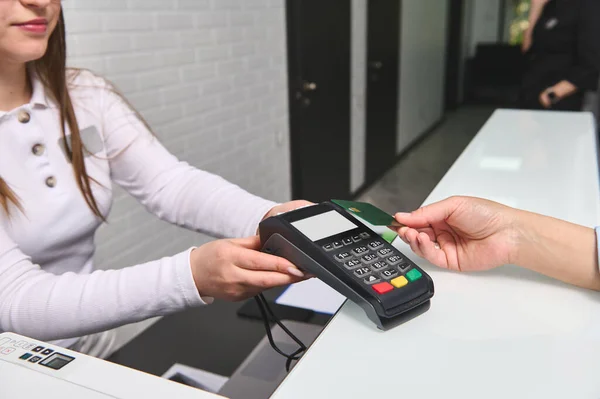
562	48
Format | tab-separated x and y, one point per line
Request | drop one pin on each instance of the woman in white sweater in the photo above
65	137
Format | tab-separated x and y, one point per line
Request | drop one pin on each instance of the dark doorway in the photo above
382	86
319	38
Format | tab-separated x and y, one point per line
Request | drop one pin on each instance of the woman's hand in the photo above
545	99
461	233
287	207
561	90
235	270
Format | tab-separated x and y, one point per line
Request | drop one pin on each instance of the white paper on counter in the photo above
314	295
200	379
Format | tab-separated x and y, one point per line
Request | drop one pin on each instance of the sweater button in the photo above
24	116
38	150
51	181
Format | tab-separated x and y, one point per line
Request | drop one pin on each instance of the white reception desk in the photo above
507	333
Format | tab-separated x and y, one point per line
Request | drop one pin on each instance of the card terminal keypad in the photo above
372	261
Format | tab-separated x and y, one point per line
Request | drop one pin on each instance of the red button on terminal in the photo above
382	288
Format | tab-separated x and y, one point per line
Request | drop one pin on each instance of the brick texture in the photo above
210	78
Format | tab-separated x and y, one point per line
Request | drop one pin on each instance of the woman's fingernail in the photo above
295	272
436	245
403	214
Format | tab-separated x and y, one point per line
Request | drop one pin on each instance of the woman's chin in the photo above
31	54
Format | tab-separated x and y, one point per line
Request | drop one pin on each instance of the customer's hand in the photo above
235	270
462	233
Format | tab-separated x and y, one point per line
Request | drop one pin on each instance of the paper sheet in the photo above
312	294
197	378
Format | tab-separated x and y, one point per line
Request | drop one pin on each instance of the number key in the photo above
369	258
379	265
376	244
385	252
392	260
352	264
389	273
360	250
362	272
344	256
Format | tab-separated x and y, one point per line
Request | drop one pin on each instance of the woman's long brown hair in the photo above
51	71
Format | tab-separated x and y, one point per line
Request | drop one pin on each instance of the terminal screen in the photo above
324	225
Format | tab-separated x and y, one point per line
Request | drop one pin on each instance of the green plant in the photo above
520	22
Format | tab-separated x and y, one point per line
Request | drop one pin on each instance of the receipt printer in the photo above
31	368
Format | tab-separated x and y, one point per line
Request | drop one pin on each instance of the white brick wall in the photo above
210	78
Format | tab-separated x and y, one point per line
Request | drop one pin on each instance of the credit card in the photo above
369	213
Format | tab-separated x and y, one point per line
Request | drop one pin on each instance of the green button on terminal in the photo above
413	275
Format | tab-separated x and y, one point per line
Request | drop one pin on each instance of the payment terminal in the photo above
326	241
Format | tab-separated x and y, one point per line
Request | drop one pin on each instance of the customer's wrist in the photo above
524	236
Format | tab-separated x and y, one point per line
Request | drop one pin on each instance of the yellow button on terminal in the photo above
399	282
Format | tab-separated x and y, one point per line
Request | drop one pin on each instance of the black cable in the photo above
267	315
268	328
276	319
293	356
263	304
288	363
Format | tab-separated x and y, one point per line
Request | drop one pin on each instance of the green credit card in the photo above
368	212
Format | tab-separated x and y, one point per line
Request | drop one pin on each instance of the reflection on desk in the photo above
212	338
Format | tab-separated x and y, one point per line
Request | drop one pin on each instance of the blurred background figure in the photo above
562	50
